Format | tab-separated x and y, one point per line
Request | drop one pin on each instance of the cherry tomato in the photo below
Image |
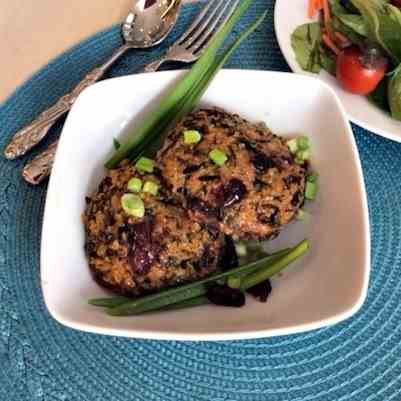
359	72
396	3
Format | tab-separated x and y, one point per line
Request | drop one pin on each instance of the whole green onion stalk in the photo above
186	93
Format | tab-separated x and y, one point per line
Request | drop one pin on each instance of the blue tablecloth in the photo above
357	360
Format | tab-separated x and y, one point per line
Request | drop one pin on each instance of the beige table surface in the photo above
32	32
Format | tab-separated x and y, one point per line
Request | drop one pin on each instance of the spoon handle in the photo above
29	136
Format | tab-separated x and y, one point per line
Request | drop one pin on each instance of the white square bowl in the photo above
325	287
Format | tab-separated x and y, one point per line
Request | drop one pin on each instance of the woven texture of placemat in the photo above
357	360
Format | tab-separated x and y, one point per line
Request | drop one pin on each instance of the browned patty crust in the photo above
134	256
253	195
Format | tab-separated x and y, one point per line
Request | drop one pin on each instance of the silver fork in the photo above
188	48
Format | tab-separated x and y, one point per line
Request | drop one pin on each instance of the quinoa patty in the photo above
253	194
135	256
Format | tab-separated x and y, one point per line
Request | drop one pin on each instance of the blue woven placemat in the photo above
358	360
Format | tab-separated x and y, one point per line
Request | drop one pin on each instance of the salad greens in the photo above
306	41
363	23
354	22
394	94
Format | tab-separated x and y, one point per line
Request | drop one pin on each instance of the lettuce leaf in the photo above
379	96
354	22
305	42
394	94
383	25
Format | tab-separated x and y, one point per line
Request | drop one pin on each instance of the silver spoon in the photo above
148	23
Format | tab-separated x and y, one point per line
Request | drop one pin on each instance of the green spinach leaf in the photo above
337	8
354	22
305	42
354	37
394	94
383	25
390	31
379	96
370	11
327	60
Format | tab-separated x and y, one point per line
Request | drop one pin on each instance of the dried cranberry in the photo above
144	252
228	258
225	296
230	193
261	291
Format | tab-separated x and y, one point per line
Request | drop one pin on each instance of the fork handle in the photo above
29	136
40	167
153	66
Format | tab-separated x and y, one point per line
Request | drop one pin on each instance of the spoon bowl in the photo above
149	22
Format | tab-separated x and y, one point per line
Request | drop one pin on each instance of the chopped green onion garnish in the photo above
303	143
135	184
312	177
311	190
293	145
218	156
145	165
191	137
298	160
151	188
241	249
234	282
303	154
302	215
133	205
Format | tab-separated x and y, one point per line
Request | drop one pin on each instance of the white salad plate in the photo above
288	15
326	286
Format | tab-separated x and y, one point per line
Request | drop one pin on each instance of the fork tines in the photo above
198	35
